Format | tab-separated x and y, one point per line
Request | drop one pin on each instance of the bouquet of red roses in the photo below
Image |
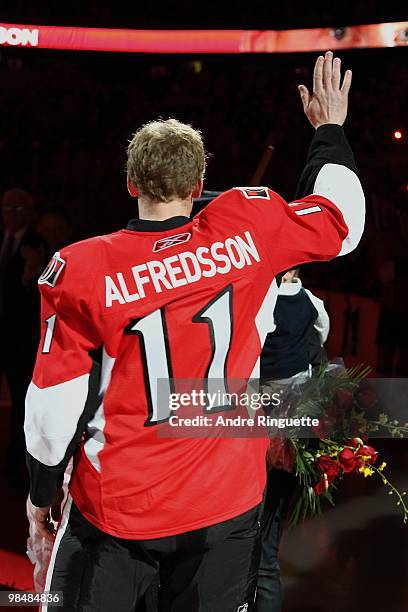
343	405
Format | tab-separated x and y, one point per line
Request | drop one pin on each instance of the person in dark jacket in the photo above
301	329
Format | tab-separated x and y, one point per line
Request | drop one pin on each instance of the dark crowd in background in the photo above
66	119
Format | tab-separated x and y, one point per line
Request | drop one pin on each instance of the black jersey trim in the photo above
148	225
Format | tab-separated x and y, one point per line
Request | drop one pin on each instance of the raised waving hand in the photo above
329	99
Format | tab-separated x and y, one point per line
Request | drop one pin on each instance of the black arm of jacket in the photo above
329	146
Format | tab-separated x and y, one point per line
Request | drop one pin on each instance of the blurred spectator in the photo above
22	258
54	229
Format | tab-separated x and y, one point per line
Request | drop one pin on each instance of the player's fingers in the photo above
345	88
304	96
318	75
43	531
336	76
327	70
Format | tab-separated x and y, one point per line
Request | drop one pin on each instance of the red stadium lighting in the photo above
397	135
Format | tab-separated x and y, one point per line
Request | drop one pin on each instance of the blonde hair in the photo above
166	160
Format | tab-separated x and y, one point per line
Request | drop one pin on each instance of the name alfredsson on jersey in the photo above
182	269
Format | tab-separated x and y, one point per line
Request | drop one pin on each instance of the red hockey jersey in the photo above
182	298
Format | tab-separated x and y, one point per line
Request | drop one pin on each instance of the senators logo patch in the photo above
169	241
255	192
52	271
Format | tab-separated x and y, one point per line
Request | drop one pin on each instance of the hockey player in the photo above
168	298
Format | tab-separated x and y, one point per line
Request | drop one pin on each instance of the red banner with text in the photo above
204	41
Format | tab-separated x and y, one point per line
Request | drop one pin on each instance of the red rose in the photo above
348	460
367	398
368	451
328	466
355	442
344	399
321	486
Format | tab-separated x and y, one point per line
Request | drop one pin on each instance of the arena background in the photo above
65	119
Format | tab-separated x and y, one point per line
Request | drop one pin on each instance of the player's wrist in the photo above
322	123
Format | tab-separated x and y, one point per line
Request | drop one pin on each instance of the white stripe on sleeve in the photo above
342	186
52	416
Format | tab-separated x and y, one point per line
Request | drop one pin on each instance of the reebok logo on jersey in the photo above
243	608
254	192
52	271
169	241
